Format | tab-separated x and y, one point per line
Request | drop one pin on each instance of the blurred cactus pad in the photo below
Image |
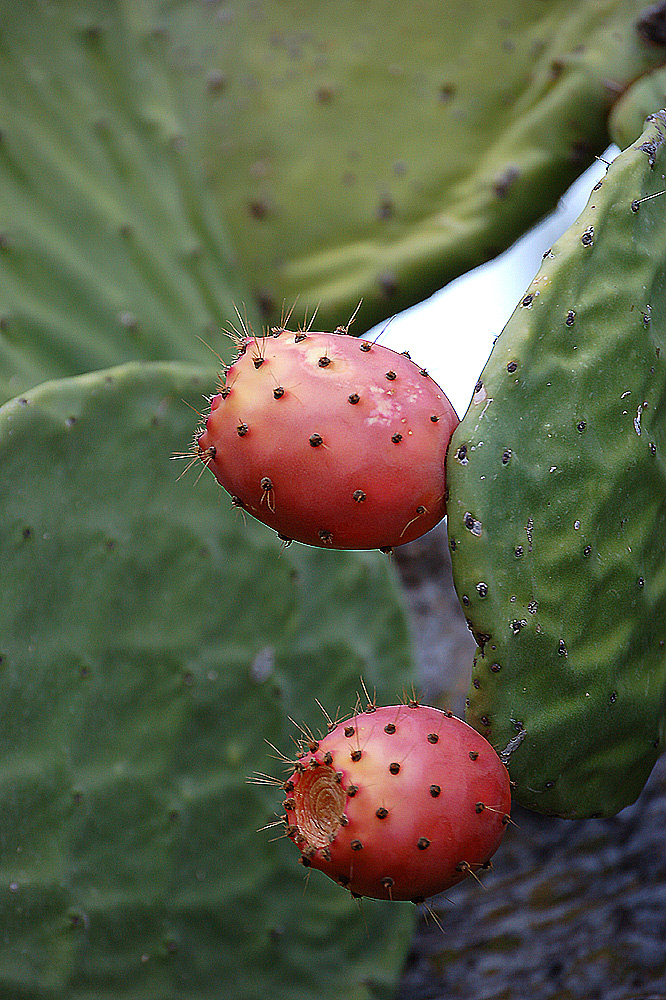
557	524
162	161
151	642
378	150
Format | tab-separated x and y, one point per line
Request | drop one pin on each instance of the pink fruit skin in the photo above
288	438
425	802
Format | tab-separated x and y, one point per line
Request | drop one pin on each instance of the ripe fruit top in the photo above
399	802
331	440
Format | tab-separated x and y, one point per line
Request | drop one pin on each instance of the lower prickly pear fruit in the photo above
399	802
330	440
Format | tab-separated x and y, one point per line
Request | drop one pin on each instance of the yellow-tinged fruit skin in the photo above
330	440
399	802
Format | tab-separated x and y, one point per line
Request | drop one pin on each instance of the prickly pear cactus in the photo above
150	642
159	162
626	119
356	150
557	510
111	247
649	90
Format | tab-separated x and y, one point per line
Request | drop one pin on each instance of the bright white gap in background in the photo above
453	341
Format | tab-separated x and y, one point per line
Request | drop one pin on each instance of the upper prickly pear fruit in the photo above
330	440
399	802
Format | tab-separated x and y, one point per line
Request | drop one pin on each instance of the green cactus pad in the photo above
372	150
159	162
557	514
649	90
111	247
150	642
626	119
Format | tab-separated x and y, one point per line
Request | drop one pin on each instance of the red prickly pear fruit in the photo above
399	802
330	440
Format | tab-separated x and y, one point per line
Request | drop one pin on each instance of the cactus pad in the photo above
150	643
347	150
626	119
361	150
557	511
111	248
